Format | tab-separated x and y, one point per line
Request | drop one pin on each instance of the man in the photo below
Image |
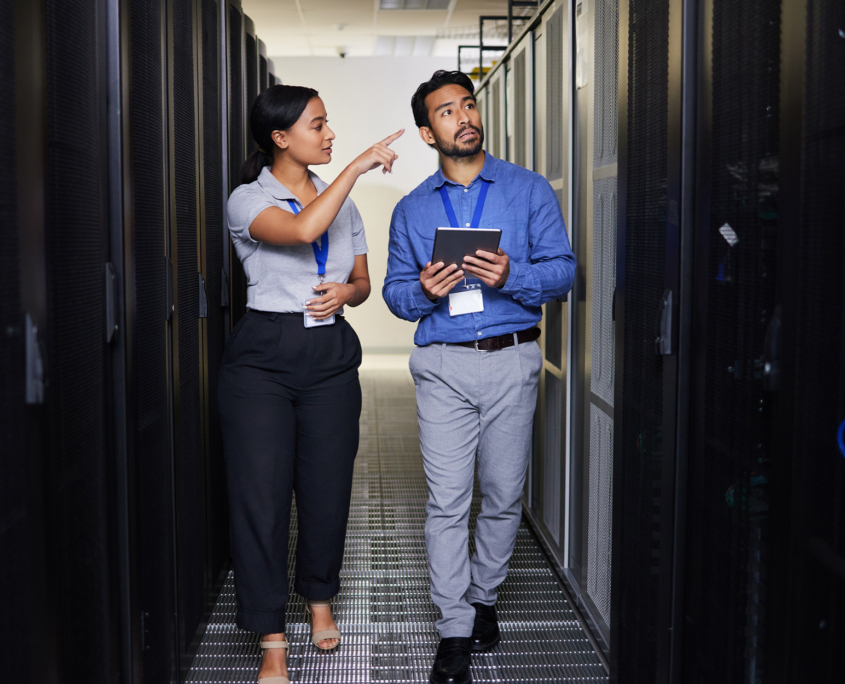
476	373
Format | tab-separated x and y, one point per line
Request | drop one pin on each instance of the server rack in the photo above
263	67
147	298
647	460
252	75
271	73
547	504
729	549
592	353
213	233
58	257
21	310
811	384
238	128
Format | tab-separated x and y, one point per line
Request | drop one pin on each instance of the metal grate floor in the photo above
384	610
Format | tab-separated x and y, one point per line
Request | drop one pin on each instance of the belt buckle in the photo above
475	344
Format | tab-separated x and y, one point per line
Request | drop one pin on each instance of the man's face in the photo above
456	129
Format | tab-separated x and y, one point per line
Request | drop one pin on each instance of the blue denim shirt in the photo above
519	202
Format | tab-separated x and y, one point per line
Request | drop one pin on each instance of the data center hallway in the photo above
384	610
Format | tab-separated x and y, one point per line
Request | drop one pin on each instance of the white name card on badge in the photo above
466	301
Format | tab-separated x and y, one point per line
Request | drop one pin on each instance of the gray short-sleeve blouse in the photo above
279	277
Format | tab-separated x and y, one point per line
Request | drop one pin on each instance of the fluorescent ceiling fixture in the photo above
414	4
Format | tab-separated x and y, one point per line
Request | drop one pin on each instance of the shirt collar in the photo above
270	184
488	172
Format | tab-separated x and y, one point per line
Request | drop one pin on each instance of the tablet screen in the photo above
452	244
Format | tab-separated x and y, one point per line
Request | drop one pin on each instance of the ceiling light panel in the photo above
414	4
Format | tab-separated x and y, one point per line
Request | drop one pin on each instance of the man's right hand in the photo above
437	281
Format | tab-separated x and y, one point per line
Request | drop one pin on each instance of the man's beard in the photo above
457	151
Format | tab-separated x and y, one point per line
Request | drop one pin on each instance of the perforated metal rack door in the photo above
78	465
236	98
237	151
729	482
190	472
521	94
214	231
262	73
496	117
15	571
554	94
251	84
602	284
817	592
638	465
152	436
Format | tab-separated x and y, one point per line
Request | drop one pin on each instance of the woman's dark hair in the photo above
276	109
438	79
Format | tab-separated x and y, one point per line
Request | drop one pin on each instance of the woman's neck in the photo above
293	176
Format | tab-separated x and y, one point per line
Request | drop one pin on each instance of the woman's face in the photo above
309	140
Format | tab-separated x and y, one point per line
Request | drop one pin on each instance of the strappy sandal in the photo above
323	634
274	680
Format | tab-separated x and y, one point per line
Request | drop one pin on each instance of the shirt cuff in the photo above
422	303
513	285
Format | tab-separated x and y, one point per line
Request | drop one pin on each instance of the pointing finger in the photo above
390	138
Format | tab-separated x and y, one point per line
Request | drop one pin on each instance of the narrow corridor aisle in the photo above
384	610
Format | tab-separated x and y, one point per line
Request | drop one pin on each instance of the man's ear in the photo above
426	135
280	139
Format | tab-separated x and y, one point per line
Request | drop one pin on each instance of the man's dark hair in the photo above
438	79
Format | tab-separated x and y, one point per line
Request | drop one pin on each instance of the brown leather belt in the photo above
502	341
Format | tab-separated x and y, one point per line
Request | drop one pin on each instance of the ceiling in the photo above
360	28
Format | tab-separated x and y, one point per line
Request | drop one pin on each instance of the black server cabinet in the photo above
263	67
149	359
213	236
272	79
17	508
647	346
810	366
78	473
240	145
251	74
55	255
183	239
200	527
731	557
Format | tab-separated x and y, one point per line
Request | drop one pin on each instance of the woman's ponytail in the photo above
276	108
254	163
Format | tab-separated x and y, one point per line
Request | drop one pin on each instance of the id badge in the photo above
311	322
466	301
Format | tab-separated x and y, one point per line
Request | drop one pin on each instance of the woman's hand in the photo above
378	155
336	295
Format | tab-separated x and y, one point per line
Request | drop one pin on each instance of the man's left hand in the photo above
492	269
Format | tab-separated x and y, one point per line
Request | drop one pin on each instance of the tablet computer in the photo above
451	245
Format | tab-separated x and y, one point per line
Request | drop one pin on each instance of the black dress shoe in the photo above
451	664
485	631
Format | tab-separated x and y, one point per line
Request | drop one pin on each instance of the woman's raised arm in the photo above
279	227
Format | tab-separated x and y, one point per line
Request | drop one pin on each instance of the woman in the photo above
289	393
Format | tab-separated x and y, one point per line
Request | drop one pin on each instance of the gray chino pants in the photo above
473	403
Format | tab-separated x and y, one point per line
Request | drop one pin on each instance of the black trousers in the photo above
290	401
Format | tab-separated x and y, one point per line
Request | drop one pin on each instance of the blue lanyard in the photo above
321	251
479	206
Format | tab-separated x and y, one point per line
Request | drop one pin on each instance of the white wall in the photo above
367	99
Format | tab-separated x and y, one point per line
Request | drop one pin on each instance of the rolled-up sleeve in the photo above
402	291
550	271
